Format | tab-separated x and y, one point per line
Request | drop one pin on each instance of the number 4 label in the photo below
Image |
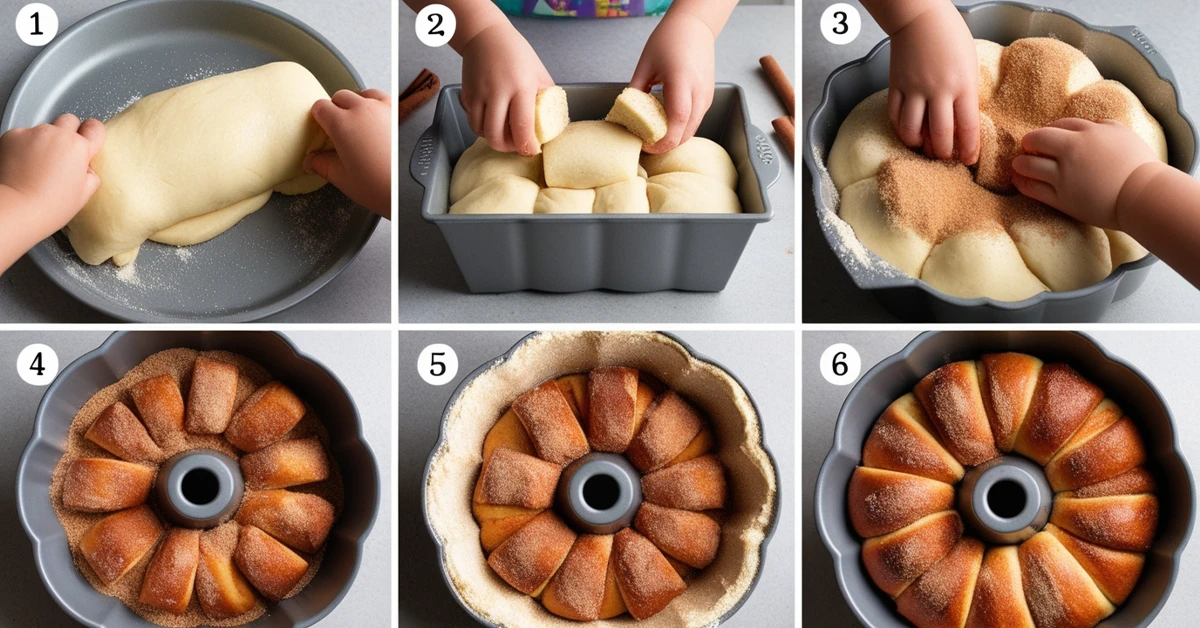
37	364
37	24
840	364
437	364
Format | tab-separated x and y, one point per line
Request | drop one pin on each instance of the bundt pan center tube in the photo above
1004	496
1122	53
199	484
751	505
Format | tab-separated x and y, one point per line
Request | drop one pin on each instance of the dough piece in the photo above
479	164
1064	256
506	194
698	155
550	114
864	141
591	154
1124	248
196	149
988	53
1111	100
206	227
641	113
642	172
626	197
690	193
976	264
864	211
564	201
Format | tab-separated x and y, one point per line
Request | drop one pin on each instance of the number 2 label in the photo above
435	25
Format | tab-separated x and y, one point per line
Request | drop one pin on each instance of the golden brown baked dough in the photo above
120	433
577	589
222	590
647	581
895	560
265	417
171	576
670	424
528	558
998	599
300	520
160	404
883	501
119	541
551	424
698	484
284	464
941	597
612	391
103	485
689	537
904	440
211	398
269	565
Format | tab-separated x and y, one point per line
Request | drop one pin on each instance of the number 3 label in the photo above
840	364
437	364
840	24
37	24
37	364
435	25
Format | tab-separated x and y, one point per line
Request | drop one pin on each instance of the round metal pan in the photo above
271	260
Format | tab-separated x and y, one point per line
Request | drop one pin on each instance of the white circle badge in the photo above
37	364
37	24
840	364
435	25
840	24
437	364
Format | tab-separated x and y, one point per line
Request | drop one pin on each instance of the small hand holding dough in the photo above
208	152
641	113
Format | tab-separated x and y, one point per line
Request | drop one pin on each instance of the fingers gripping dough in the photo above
189	152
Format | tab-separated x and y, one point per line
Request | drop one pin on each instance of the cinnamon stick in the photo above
779	80
418	93
787	134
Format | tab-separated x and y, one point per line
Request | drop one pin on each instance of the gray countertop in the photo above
359	29
1156	354
762	289
764	361
362	360
830	296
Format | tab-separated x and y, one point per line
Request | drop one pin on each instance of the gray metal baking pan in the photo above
503	358
1123	53
572	253
271	260
896	375
103	366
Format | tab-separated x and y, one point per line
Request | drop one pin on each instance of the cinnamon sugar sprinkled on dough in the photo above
160	404
299	520
647	581
119	432
550	423
269	565
579	582
690	537
671	423
698	484
212	395
612	395
178	363
528	558
286	463
511	478
1131	482
951	398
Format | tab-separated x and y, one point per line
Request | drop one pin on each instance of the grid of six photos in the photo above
498	312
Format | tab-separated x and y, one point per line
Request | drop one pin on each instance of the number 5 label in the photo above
435	25
37	364
437	364
37	24
840	364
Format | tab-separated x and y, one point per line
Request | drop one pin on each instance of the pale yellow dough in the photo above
626	197
698	155
480	164
506	194
591	154
564	201
203	154
690	193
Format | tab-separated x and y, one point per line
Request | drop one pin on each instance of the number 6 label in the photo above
437	364
840	364
37	24
37	364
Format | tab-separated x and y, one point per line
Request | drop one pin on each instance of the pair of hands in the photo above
502	76
46	176
1073	165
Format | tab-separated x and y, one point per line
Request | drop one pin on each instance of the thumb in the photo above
90	184
643	76
327	165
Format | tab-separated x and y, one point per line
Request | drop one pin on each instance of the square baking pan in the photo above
1123	53
576	252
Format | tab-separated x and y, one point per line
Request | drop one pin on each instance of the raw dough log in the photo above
205	154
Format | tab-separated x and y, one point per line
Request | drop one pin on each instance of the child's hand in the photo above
501	79
47	172
360	163
934	83
679	54
1079	167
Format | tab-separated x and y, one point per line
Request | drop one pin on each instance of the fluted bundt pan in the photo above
1123	53
892	378
751	504
86	376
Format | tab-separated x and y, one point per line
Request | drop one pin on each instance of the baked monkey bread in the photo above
1004	492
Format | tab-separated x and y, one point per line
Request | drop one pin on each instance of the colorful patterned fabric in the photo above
584	8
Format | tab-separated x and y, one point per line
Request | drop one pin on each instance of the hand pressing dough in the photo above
698	155
865	213
591	154
505	194
564	201
480	164
185	153
690	193
641	114
976	264
626	197
551	115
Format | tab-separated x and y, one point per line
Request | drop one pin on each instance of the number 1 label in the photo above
37	24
